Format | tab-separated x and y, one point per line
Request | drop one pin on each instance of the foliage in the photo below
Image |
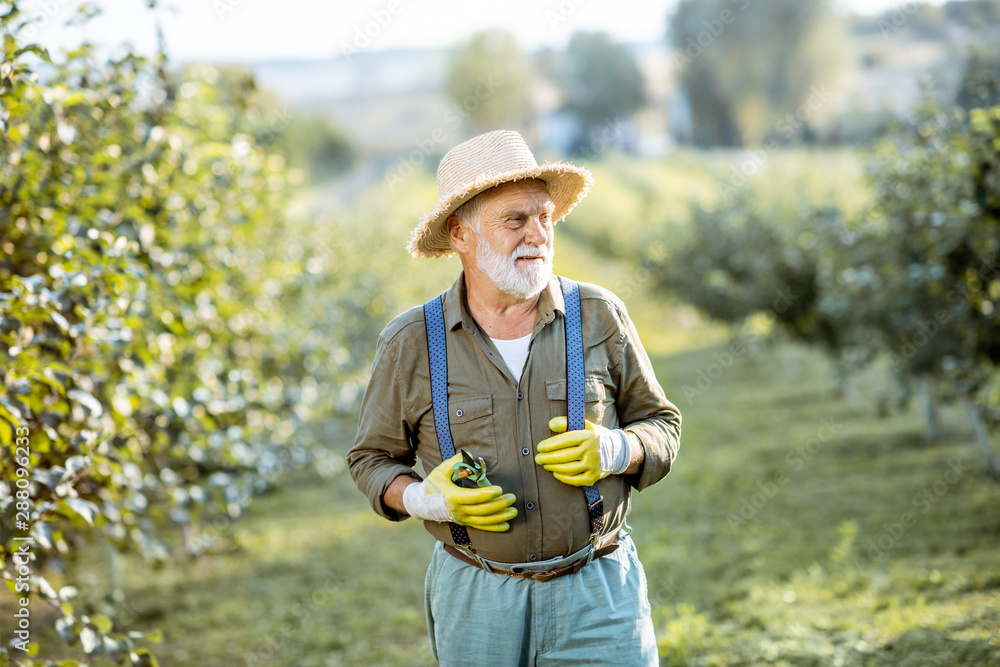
980	85
146	344
310	144
974	13
745	65
939	181
921	20
915	276
488	80
315	145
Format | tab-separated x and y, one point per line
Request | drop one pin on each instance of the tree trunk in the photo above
844	387
982	434
932	427
116	591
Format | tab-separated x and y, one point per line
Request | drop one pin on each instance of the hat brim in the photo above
567	185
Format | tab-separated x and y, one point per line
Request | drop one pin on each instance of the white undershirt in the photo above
514	353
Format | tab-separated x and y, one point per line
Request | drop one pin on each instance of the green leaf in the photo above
45	588
113	649
64	626
86	400
43	534
143	658
102	623
74	464
88	640
37	49
6	432
84	508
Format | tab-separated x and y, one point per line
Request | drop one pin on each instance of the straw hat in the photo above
484	162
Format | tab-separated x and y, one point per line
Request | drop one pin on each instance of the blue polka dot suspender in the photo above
437	350
575	408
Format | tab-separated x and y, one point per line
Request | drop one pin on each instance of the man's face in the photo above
514	246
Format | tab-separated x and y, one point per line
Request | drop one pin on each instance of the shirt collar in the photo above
456	304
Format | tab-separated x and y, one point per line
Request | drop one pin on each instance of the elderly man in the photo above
545	383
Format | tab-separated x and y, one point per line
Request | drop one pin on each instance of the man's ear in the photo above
458	234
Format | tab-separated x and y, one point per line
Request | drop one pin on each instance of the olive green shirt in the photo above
502	420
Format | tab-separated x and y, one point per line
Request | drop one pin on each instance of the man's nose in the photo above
536	233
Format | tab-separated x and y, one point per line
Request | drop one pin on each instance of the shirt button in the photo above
525	451
530	505
520	396
459	412
533	557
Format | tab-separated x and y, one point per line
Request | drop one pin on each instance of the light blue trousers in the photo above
598	616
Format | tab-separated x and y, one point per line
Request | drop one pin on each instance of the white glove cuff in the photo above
421	506
616	451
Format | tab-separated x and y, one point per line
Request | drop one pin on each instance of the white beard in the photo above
522	282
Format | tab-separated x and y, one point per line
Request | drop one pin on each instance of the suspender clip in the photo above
472	554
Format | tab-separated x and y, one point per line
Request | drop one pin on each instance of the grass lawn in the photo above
870	548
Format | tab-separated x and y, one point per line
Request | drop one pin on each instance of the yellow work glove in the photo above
573	457
437	498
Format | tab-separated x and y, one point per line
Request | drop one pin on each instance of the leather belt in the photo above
572	568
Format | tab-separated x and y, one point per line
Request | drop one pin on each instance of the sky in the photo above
250	30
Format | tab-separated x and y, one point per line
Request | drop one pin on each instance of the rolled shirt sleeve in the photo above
382	450
643	408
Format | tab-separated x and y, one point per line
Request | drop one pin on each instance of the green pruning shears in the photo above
469	473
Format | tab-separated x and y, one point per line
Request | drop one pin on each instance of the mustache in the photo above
528	251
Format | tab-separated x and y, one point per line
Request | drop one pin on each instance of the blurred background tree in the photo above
980	83
148	343
600	82
488	79
917	279
309	142
745	65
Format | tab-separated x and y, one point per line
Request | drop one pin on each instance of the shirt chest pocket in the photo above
472	429
597	400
